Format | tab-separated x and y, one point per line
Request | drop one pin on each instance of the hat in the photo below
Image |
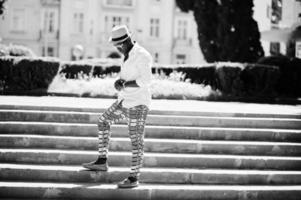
119	34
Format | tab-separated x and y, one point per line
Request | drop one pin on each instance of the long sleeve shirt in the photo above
137	67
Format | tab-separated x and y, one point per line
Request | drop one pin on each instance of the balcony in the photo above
178	42
50	2
50	36
127	4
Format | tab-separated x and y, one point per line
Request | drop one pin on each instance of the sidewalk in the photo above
162	105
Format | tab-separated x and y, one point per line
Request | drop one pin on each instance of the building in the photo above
66	26
73	29
277	19
49	28
169	36
32	23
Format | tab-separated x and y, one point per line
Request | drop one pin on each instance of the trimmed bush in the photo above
100	71
247	80
201	75
231	79
72	71
16	50
289	83
21	73
89	68
5	71
260	80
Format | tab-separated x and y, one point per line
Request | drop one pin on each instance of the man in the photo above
133	102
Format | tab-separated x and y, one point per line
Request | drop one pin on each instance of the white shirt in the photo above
136	67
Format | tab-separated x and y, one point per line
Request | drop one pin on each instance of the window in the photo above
78	22
18	20
269	11
156	57
116	21
50	51
276	13
182	27
180	59
119	3
111	21
50	21
275	48
154	27
107	24
91	27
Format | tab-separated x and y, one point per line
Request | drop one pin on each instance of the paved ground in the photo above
169	105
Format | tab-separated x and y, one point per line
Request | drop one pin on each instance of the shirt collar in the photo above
126	56
134	49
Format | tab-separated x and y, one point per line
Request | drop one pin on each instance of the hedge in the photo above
232	79
22	73
16	50
289	83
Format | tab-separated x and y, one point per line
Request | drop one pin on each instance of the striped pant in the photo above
136	117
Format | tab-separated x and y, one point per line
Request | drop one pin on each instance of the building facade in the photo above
33	24
277	19
57	27
60	28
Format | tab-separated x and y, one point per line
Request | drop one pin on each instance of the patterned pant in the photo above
136	117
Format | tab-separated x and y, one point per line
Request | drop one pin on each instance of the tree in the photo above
238	33
2	6
207	21
226	29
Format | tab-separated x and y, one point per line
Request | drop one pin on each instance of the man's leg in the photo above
112	115
137	118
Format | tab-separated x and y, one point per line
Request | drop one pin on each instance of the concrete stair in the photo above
188	155
155	145
44	190
163	120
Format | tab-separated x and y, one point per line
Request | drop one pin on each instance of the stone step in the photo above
154	145
42	190
173	132
167	120
210	113
95	104
62	173
163	160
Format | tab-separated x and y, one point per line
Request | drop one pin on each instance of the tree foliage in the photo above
185	6
2	6
226	29
207	22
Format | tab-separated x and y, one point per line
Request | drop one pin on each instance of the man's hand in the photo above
119	84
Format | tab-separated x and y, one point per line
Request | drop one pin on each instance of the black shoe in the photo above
127	183
96	166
